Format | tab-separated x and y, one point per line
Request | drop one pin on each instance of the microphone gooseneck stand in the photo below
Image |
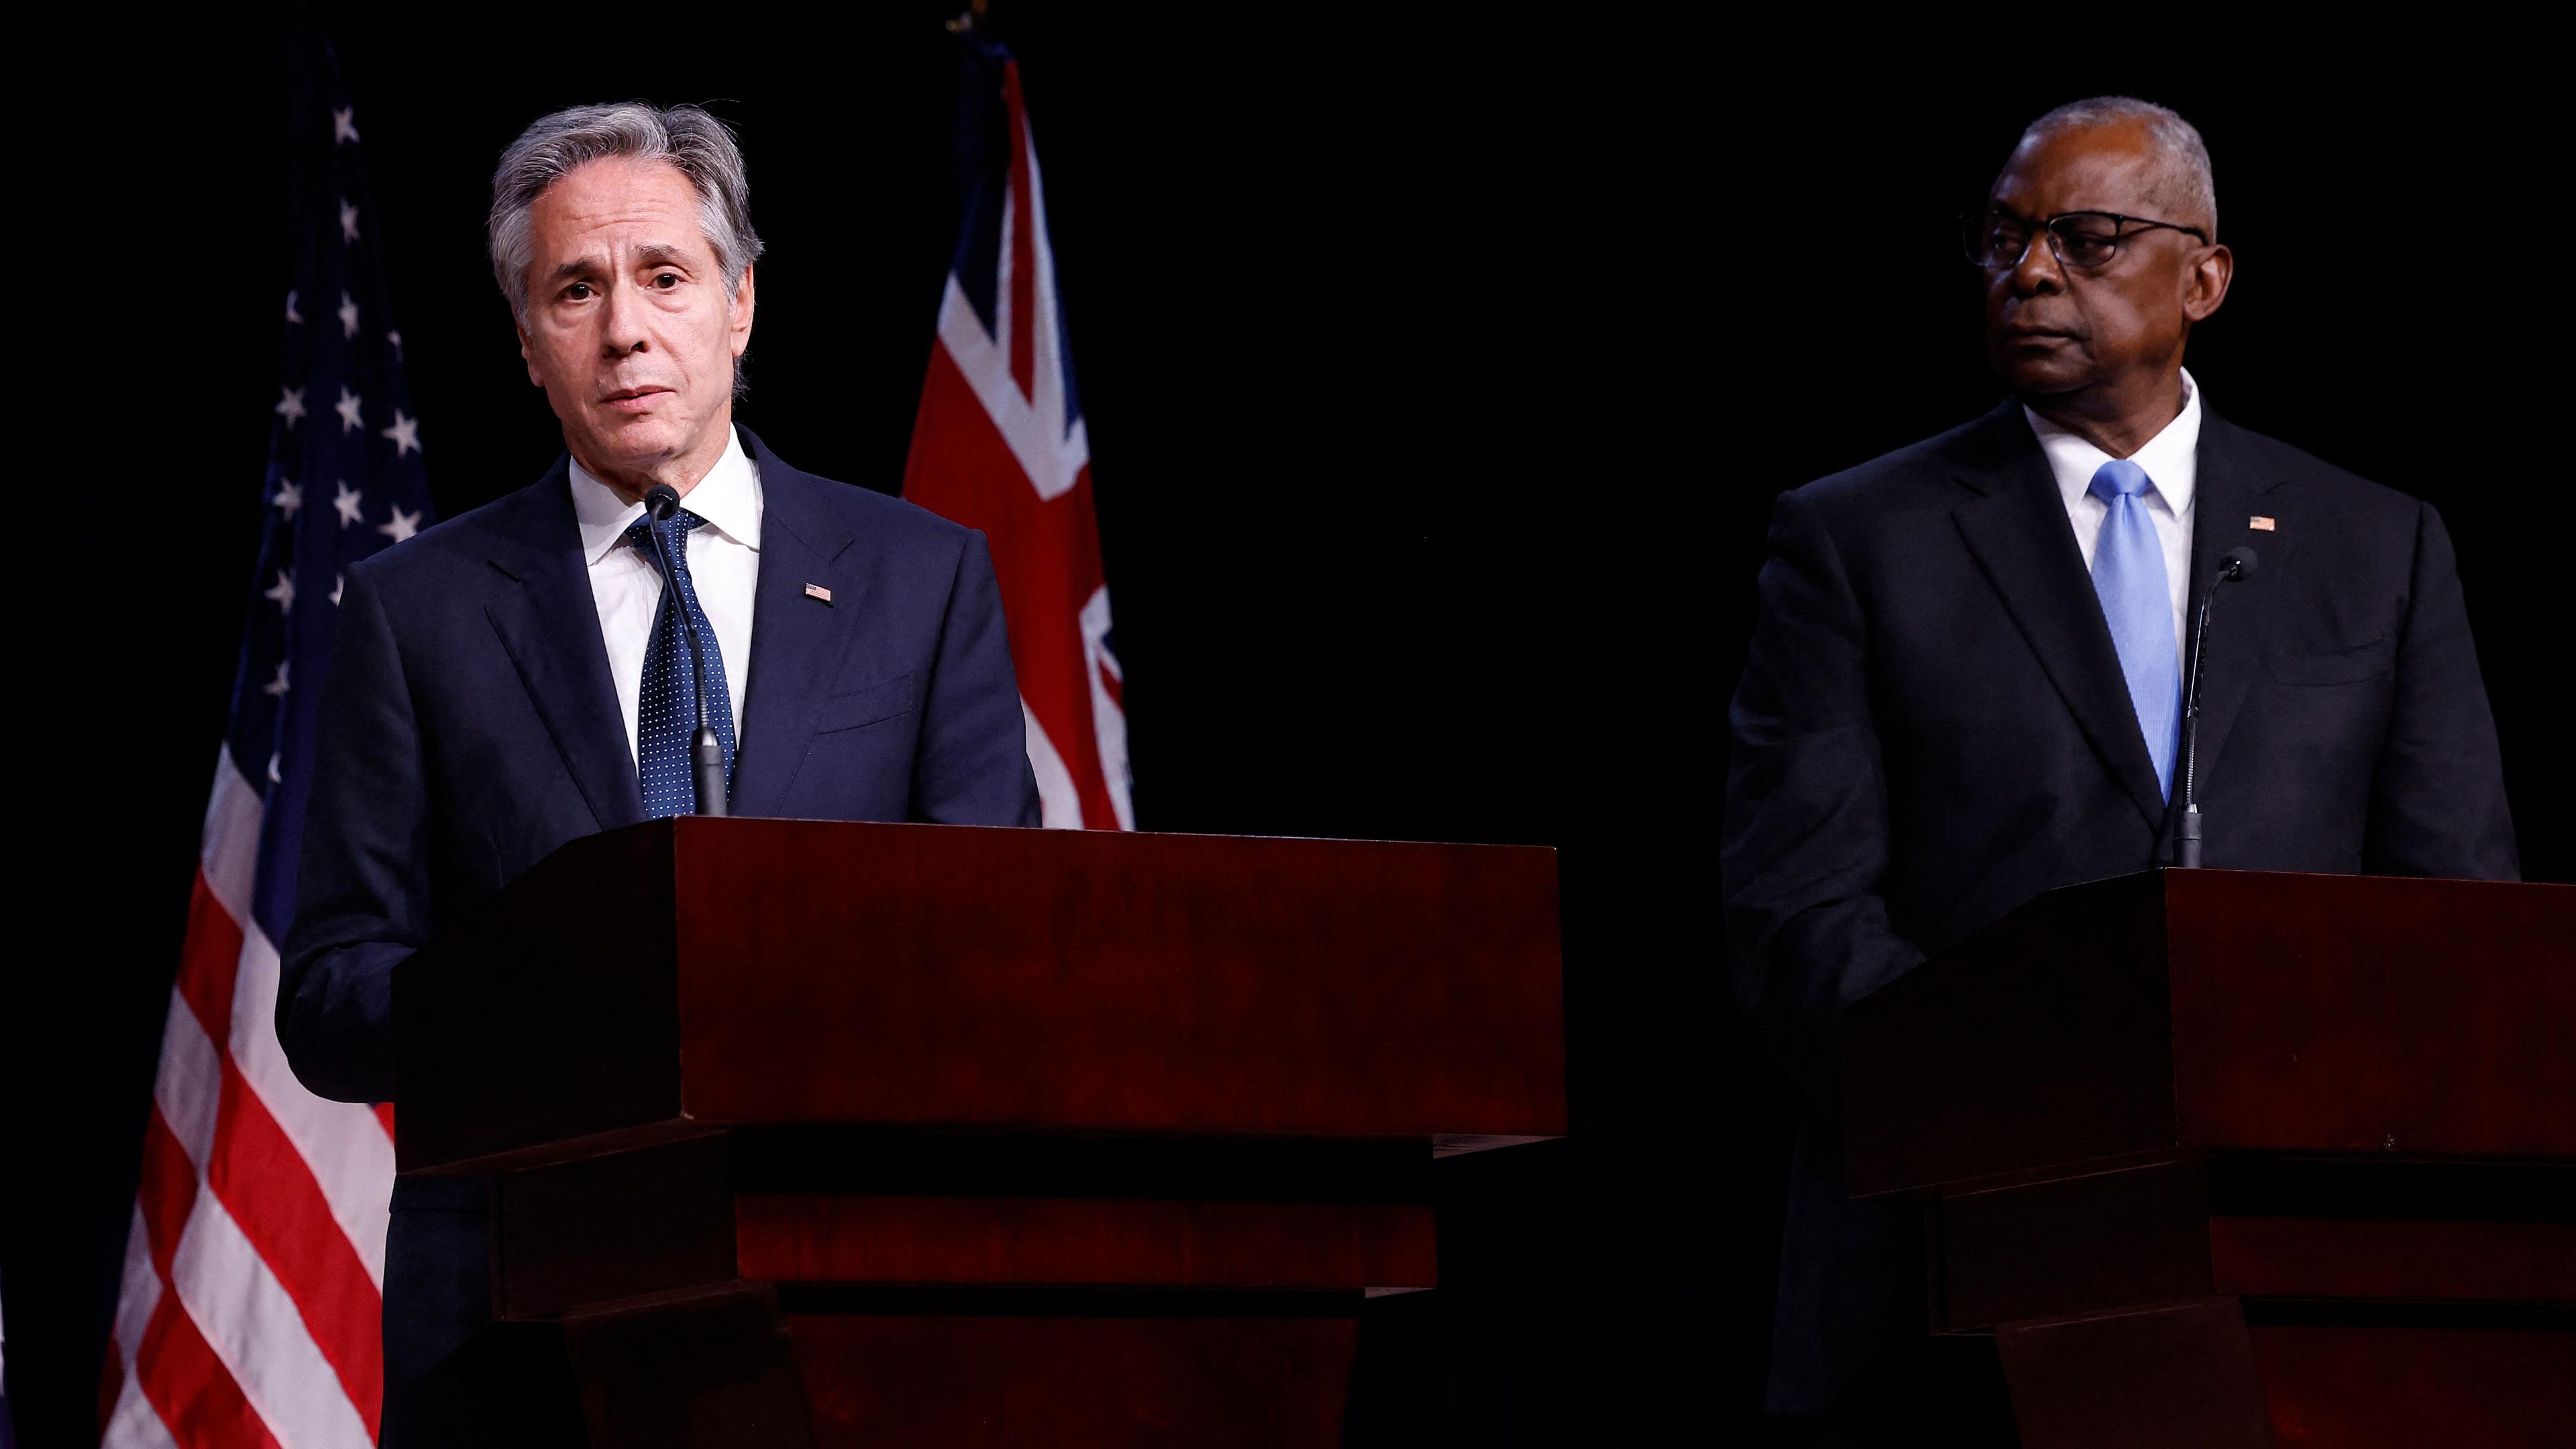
706	755
2237	563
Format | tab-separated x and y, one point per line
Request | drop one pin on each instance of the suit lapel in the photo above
2231	481
2015	524
550	626
795	639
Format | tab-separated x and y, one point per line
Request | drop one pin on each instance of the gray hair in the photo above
687	137
2183	181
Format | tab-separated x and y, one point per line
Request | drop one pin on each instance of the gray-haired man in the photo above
518	676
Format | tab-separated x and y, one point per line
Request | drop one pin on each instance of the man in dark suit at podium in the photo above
521	676
1966	686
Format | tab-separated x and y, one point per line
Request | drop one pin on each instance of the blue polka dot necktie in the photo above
2137	602
666	709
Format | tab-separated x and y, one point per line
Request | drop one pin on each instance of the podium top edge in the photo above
696	823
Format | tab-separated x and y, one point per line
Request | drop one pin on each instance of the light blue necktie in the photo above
2137	602
666	709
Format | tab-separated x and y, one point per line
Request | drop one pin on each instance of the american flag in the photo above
252	1303
999	445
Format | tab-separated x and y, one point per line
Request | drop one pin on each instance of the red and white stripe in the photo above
252	1307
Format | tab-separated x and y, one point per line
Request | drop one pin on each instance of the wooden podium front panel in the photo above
1027	1303
2224	1010
2333	1386
854	1210
977	1381
821	1238
2195	1373
1097	981
2394	1259
652	981
2317	1013
2190	1226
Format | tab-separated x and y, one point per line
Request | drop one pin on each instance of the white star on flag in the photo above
347	408
290	405
338	582
344	124
278	685
405	432
348	221
396	339
348	316
347	503
401	526
288	497
283	593
291	315
275	757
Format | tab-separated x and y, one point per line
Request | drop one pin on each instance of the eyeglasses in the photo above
2084	240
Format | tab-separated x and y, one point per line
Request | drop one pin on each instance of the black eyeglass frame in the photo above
1972	225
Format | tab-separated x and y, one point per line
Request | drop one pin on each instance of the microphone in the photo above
706	755
2234	565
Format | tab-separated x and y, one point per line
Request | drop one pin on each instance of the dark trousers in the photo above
452	1376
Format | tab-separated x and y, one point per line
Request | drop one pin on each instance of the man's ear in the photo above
739	320
2206	285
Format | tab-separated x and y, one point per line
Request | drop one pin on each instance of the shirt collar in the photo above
2171	458
728	498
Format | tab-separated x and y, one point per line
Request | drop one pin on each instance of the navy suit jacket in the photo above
469	727
1932	728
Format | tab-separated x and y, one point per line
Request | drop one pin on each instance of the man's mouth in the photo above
634	399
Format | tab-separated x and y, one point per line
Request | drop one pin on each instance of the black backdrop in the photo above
1440	372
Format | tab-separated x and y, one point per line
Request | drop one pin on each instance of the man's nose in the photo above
2038	271
622	322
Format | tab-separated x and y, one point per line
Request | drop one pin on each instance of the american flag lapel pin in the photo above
817	591
2258	521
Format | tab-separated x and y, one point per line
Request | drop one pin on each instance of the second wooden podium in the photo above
845	1134
2246	1161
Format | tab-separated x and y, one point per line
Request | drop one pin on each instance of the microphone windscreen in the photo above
2239	562
661	500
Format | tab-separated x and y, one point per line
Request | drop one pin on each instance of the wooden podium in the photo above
2237	1159
843	1134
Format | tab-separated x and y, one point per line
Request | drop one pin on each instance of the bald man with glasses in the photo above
1966	686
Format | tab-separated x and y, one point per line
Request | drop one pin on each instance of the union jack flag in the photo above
999	445
252	1304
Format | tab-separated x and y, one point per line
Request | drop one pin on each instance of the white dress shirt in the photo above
2172	462
724	568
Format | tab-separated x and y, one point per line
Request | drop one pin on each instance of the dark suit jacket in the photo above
469	727
1932	728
